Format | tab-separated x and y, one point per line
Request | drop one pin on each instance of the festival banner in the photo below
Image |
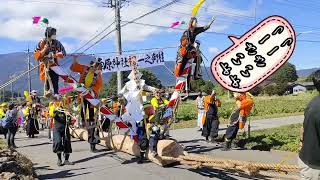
121	63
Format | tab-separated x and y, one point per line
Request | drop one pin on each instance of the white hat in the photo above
33	92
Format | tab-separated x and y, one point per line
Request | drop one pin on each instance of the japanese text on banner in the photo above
121	63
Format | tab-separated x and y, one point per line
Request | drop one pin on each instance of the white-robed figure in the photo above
132	92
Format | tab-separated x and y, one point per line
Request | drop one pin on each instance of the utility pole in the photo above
119	45
29	76
116	4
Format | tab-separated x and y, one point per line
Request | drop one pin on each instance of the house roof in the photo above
301	84
306	83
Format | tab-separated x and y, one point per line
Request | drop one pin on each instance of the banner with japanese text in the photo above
121	63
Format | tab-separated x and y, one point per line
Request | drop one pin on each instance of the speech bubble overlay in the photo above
255	56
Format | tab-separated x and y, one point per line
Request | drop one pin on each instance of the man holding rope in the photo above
48	51
91	78
309	156
61	134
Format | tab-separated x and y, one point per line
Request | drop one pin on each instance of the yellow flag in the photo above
196	7
28	98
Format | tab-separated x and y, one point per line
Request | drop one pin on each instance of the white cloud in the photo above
69	47
213	50
81	19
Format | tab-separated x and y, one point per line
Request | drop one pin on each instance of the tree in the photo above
275	89
196	85
202	85
287	73
207	87
7	96
256	90
150	78
310	77
110	89
220	91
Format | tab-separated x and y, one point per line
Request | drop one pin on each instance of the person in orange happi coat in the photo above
47	53
91	78
211	124
244	105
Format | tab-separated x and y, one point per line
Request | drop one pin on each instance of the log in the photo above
123	143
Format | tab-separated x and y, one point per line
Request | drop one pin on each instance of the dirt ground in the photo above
14	166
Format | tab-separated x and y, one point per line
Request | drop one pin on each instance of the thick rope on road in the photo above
250	168
261	166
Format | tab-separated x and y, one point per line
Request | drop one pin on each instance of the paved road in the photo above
187	133
120	166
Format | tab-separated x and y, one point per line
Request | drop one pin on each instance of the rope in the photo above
47	80
251	168
286	158
233	163
169	70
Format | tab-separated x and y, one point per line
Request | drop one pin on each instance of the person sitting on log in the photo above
134	115
91	78
48	51
61	134
244	105
158	127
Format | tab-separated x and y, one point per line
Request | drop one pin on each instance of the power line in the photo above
310	41
17	77
165	27
218	11
95	33
53	2
188	14
288	3
135	50
105	29
132	21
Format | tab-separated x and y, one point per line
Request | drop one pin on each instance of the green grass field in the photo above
265	107
285	138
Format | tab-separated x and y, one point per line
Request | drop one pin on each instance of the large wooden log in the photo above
168	148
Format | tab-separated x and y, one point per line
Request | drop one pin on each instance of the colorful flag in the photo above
39	19
174	24
196	7
177	23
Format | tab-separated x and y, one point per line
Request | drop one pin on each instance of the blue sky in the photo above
78	20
